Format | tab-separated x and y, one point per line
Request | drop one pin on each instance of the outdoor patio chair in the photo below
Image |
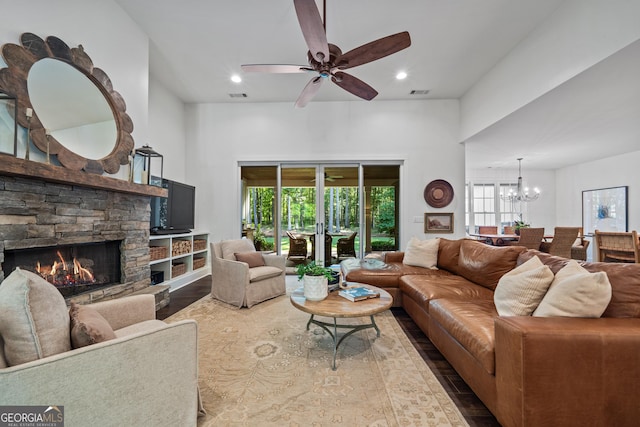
346	247
297	247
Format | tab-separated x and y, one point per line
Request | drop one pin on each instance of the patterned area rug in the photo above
261	367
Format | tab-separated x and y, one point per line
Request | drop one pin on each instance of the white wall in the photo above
167	130
579	34
423	134
610	172
112	40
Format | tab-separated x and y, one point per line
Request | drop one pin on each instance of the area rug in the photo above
261	367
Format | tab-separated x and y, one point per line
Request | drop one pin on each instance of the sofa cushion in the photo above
520	291
382	275
423	289
261	273
421	253
34	321
470	323
485	264
623	277
253	259
448	254
576	293
88	326
230	247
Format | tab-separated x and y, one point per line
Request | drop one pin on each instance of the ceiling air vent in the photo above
238	95
419	92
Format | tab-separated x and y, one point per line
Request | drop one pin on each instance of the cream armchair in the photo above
147	375
243	277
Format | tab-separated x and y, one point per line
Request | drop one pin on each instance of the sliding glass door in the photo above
324	212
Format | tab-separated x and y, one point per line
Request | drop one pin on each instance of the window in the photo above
484	206
484	212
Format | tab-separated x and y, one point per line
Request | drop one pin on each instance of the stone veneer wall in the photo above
35	213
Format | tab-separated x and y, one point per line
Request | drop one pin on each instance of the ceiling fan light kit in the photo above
327	59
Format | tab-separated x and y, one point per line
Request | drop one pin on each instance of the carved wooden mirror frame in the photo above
13	82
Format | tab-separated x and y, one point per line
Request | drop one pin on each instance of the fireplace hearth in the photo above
73	269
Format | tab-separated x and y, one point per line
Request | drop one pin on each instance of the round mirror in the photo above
72	109
69	105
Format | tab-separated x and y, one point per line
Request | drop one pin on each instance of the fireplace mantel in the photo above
13	166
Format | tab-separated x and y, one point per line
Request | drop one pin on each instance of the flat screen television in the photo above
175	213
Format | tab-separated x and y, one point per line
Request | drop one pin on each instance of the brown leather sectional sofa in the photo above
529	371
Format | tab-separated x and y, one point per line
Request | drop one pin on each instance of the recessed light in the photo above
236	78
401	75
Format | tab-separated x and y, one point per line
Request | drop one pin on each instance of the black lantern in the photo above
142	164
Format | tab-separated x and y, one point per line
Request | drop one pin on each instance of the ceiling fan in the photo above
327	59
330	178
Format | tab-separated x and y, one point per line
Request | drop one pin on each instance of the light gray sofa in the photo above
146	376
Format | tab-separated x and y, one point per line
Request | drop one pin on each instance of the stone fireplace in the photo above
49	216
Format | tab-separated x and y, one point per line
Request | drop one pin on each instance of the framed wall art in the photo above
8	125
438	222
605	209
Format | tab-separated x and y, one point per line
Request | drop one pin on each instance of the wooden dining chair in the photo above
487	229
530	238
563	239
508	229
617	246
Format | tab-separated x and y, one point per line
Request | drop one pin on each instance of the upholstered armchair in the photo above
107	363
243	277
346	247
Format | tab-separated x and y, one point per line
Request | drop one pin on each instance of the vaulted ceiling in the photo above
196	46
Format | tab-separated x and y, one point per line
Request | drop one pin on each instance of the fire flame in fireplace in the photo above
62	273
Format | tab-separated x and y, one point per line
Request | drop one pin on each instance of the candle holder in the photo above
142	158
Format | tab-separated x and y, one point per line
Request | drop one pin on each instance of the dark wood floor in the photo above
474	411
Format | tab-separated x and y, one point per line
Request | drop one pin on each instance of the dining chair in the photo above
508	229
563	239
297	247
487	229
617	246
530	238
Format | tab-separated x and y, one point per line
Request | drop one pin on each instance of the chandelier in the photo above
521	194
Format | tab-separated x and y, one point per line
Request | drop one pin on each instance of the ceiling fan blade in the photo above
274	68
312	29
375	50
354	85
309	92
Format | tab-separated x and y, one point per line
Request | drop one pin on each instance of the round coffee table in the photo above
336	307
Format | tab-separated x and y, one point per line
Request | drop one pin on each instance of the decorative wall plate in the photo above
438	193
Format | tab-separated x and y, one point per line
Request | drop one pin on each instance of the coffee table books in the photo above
358	293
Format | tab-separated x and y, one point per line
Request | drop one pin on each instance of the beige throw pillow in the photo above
34	322
88	326
519	291
575	292
422	253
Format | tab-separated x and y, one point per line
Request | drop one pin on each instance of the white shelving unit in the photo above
180	253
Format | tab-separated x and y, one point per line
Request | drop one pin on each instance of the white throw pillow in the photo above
575	292
519	291
422	253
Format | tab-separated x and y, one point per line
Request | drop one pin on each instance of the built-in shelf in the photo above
185	258
14	166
